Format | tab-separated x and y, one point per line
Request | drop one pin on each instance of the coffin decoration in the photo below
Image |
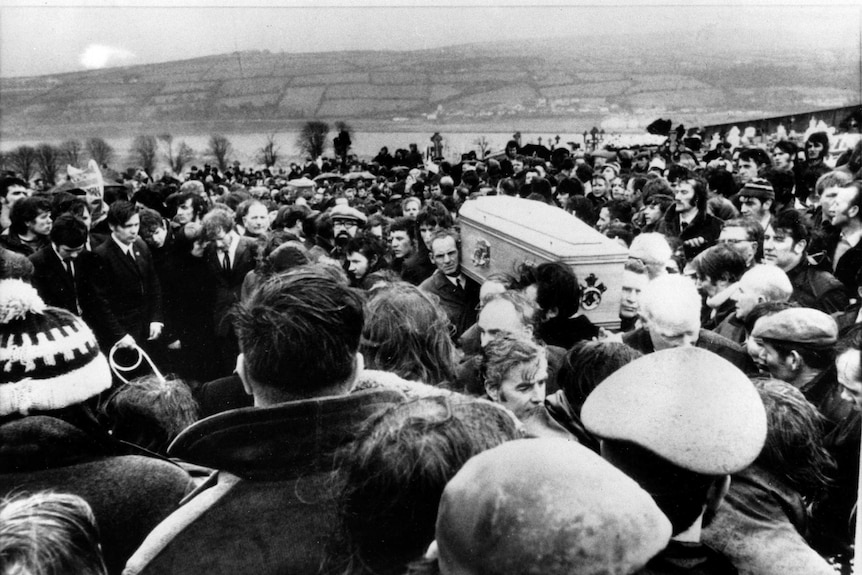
498	233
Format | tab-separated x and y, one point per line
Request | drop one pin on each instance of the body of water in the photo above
366	145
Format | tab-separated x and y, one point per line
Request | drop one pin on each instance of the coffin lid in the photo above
546	228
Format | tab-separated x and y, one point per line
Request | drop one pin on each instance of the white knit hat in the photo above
49	358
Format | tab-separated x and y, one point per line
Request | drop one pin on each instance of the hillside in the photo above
568	83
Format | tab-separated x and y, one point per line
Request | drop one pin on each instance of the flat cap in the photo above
686	405
758	188
344	212
798	325
546	506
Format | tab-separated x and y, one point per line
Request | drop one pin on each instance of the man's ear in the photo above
241	372
358	368
717	492
767	205
801	245
795	360
493	392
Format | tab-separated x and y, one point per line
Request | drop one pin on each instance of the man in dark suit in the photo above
123	299
55	267
229	258
670	313
844	246
458	295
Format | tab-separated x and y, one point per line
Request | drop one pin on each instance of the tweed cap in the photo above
798	325
345	212
686	405
758	188
546	506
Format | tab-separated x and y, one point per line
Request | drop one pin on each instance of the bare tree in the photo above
70	152
220	150
100	150
185	154
268	154
312	138
177	157
48	160
4	161
483	144
144	150
23	161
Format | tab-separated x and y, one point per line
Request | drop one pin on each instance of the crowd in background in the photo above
343	398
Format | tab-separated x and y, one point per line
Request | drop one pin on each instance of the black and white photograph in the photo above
410	288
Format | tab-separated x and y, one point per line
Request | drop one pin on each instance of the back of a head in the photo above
151	411
671	301
768	281
589	363
546	506
394	473
49	534
794	448
679	416
653	250
557	287
720	263
406	332
299	332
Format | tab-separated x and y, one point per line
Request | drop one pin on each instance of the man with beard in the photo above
687	218
346	223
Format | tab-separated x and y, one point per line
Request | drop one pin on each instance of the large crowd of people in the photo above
342	398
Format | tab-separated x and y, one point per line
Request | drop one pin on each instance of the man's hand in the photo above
127	342
155	330
175	345
695	242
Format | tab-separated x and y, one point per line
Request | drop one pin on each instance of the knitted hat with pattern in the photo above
49	358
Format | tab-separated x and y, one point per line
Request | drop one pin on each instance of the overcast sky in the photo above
41	37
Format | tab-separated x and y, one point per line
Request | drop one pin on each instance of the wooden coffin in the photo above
498	233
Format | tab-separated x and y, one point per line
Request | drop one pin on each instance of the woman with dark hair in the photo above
762	523
407	333
558	296
31	226
391	478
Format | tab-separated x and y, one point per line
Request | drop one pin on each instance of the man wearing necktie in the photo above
56	267
229	258
122	297
458	295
